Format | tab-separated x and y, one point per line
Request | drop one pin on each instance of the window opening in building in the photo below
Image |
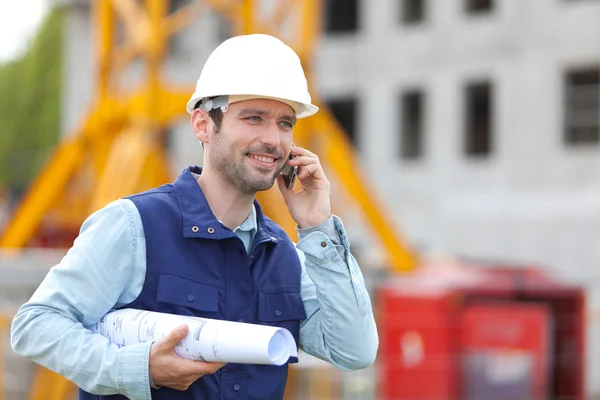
412	114
413	11
176	43
344	111
175	5
341	16
479	6
582	106
478	119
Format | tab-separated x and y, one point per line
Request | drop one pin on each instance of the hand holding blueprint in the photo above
207	339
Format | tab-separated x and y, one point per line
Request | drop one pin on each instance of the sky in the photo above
19	20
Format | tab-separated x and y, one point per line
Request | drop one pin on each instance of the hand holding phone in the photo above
311	205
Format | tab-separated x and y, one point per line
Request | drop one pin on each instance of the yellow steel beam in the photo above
43	193
340	156
274	207
104	21
48	385
126	165
136	21
307	30
54	177
230	9
123	54
156	170
281	12
181	18
73	204
172	102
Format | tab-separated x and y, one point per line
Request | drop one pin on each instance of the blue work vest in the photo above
198	267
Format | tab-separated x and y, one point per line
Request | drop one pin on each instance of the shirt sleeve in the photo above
104	269
329	229
340	327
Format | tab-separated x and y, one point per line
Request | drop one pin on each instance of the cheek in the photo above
242	134
286	141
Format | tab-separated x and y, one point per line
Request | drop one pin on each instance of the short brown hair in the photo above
215	114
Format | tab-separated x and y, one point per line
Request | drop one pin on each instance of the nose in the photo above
271	135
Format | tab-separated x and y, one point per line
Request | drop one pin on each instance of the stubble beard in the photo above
234	172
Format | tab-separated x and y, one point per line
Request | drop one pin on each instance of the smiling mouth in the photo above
265	159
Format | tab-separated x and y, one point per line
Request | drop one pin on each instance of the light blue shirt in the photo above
106	268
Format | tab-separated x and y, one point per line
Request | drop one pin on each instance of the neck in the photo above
225	201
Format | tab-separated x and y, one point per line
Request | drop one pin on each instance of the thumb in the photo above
283	188
175	336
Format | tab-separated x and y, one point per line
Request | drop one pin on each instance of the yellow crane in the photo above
122	131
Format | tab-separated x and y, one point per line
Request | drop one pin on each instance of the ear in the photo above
199	121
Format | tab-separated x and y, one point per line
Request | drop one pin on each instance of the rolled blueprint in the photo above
207	339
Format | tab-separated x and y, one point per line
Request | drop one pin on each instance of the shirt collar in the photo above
198	218
249	224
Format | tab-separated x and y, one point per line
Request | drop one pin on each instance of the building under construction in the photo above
465	130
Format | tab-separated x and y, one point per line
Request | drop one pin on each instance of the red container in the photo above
462	332
505	351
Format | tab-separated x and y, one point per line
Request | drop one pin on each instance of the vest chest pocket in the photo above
282	309
183	292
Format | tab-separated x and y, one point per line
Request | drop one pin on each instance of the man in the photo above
202	246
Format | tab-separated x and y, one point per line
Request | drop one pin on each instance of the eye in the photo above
286	125
254	118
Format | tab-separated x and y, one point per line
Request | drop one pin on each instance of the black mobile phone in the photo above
289	174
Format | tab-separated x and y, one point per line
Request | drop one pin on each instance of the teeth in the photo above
262	158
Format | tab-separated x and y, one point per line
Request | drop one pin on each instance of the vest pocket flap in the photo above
273	307
186	293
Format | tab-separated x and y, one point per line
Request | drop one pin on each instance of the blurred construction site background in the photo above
462	138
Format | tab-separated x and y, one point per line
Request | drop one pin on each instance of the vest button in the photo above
195	229
211	230
236	387
323	244
190	298
278	313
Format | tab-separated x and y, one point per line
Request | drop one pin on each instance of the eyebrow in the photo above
263	113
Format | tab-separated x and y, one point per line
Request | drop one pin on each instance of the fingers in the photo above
311	205
169	370
196	369
204	368
314	170
301	151
185	372
214	367
175	336
308	163
303	160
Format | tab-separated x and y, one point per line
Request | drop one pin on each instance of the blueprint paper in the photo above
207	339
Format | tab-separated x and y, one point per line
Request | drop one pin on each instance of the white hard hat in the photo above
254	66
